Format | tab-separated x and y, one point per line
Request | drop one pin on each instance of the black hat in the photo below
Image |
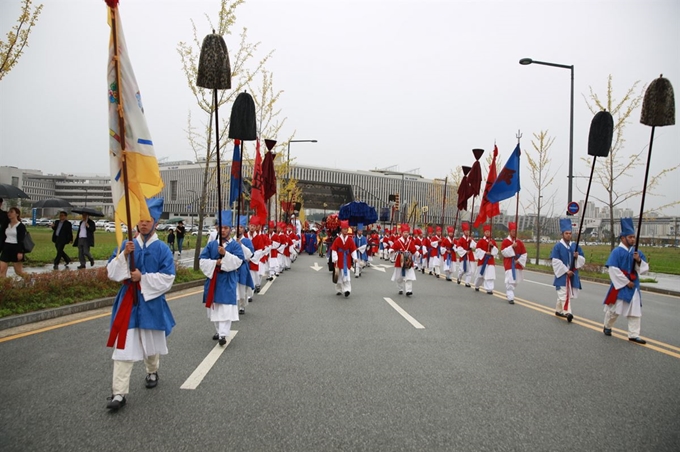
601	133
214	69
243	122
658	106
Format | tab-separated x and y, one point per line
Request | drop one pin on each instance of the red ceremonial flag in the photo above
268	176
489	209
256	193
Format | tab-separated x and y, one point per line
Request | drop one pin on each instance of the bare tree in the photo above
616	166
541	176
12	49
201	137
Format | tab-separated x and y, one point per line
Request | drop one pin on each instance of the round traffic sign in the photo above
573	208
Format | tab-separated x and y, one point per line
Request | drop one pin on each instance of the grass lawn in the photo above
105	242
661	260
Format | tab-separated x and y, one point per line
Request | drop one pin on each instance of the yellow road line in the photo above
75	322
652	344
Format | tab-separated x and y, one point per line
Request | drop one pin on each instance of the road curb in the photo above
46	314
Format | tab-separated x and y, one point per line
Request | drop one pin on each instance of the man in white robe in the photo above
625	265
141	318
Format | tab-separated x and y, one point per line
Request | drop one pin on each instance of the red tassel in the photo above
112	3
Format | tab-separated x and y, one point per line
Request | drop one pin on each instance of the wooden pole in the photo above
644	191
219	170
121	133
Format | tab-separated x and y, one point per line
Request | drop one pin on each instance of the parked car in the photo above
111	227
206	230
43	222
100	223
75	225
162	227
27	221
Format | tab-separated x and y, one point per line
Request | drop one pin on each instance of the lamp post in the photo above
570	177
290	196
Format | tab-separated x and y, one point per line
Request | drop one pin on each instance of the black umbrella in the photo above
88	211
52	202
10	191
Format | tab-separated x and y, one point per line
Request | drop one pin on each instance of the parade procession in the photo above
243	299
255	244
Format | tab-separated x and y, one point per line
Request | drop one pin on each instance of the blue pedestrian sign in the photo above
573	208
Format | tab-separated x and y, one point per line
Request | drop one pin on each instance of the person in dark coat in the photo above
4	221
171	240
62	235
85	240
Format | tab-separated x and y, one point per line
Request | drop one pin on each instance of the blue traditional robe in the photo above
310	243
226	285
566	255
153	260
244	276
360	241
622	258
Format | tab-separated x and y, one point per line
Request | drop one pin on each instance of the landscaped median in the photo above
47	295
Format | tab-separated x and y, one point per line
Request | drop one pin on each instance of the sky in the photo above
412	84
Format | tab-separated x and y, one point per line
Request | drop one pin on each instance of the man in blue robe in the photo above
245	279
624	298
566	260
220	261
362	257
141	318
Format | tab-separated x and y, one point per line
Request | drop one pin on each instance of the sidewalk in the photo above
185	260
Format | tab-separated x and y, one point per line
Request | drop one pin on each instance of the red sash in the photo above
613	293
119	327
211	289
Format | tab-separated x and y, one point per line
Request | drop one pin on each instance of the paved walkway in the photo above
185	260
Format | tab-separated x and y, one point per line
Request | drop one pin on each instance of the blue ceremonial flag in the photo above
235	186
507	182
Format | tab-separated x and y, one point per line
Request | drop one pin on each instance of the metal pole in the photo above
571	137
402	198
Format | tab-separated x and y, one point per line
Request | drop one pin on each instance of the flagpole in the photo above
240	191
121	129
446	180
519	137
219	169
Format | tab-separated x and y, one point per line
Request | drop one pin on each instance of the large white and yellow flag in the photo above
125	107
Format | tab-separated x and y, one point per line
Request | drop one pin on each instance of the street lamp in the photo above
290	197
570	177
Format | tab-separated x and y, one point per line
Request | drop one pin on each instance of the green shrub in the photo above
49	290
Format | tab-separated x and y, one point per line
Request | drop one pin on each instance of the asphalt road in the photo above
310	371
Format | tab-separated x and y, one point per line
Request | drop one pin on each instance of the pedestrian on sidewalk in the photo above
13	245
566	260
85	240
171	240
624	297
141	319
62	235
181	230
